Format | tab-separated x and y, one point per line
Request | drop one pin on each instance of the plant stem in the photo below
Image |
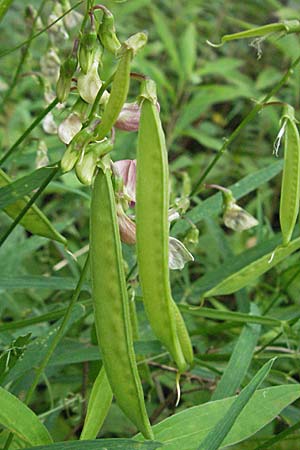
24	54
54	343
29	204
59	333
255	110
28	131
7	52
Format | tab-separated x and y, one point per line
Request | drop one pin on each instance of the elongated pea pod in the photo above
152	228
290	187
112	316
286	27
98	406
120	85
183	336
249	273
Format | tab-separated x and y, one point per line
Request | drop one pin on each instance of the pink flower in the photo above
126	170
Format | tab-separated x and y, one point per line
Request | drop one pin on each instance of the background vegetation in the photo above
204	95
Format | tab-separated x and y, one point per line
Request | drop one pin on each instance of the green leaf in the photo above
206	97
216	436
185	430
213	205
101	444
166	37
4	6
36	351
39	282
18	189
34	220
188	50
230	316
237	280
20	420
239	361
98	406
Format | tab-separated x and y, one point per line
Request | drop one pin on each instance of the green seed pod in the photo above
67	71
107	33
117	96
88	45
111	305
290	188
152	231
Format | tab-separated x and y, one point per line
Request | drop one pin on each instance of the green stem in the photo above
54	343
98	97
7	52
29	204
279	437
59	333
28	131
23	57
255	110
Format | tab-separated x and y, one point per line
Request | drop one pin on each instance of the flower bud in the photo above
50	65
81	108
129	117
67	71
88	85
107	32
88	45
238	219
42	159
85	167
75	149
178	254
127	227
126	169
57	31
48	124
234	216
69	128
73	18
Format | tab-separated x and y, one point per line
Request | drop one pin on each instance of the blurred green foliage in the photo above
204	93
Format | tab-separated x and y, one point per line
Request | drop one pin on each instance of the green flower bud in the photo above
107	32
88	45
75	149
86	166
67	71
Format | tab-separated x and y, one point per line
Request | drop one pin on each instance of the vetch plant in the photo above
165	339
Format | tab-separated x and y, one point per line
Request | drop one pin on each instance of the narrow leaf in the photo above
186	429
216	436
101	444
4	6
239	361
19	419
34	220
25	185
98	406
249	273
